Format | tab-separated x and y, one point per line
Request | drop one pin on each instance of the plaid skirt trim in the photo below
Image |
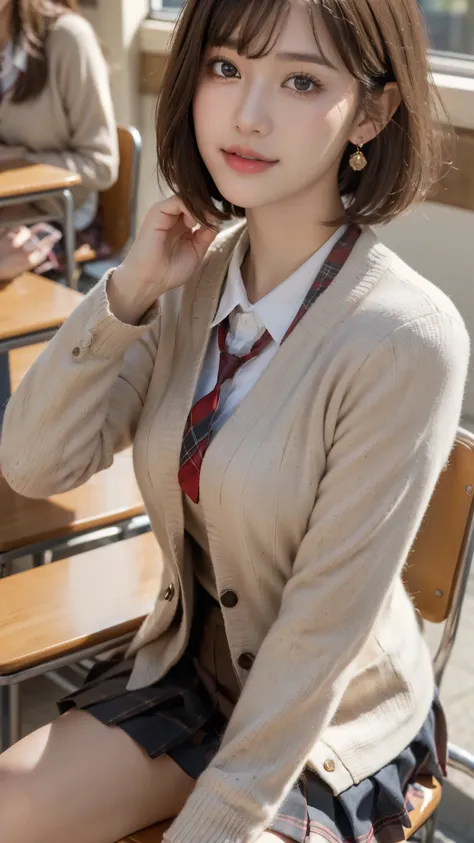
185	714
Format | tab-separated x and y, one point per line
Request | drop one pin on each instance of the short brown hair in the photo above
31	24
378	41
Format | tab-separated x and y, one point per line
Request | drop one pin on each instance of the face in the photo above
271	128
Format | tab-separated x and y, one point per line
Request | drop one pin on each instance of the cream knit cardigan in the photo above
71	123
312	492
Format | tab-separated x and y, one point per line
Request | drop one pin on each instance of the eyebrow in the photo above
312	58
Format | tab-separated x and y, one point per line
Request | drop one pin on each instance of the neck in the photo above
5	26
284	235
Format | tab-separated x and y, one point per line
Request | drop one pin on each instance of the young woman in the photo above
55	103
292	391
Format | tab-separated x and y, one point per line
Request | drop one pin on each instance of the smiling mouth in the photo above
248	155
246	161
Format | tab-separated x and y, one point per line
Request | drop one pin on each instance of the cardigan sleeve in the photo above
394	434
82	76
81	400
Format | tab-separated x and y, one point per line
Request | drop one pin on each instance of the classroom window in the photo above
450	22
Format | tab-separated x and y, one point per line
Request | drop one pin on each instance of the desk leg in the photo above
69	238
10	726
5	385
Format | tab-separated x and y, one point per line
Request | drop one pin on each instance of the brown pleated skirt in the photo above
184	715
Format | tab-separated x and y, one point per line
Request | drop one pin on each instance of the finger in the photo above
202	239
35	257
47	243
20	237
170	211
31	244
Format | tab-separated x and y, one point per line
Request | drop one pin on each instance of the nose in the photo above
253	111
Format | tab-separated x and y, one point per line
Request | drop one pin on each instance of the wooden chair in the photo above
117	206
436	577
75	609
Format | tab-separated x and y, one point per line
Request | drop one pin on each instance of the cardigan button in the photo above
246	661
329	765
76	352
169	593
229	599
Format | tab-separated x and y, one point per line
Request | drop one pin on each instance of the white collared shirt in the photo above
274	312
13	61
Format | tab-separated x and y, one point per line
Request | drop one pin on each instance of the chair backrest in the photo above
438	567
435	563
118	204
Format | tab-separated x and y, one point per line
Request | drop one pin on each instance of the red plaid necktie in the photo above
198	430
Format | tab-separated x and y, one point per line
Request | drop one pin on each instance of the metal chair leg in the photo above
9	716
429	829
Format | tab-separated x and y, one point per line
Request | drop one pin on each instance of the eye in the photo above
303	83
223	68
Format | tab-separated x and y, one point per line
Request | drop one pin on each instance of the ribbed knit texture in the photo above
312	494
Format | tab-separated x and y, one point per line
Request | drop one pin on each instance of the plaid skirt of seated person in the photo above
185	713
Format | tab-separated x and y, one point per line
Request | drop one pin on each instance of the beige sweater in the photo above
313	492
71	123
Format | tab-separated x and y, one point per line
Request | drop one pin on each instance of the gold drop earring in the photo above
358	161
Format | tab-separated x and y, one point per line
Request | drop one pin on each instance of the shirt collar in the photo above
14	57
234	292
277	310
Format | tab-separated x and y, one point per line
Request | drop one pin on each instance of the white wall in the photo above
149	192
117	23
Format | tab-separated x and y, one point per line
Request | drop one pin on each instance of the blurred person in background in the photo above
55	103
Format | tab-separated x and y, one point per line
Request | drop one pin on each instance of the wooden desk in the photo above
85	601
32	308
18	178
76	608
31	305
21	182
31	526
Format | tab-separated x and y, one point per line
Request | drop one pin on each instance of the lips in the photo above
245	160
249	154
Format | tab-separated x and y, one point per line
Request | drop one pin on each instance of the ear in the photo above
366	128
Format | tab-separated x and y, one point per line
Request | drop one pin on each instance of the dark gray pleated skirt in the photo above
185	714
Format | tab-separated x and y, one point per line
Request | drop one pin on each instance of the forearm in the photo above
129	302
79	403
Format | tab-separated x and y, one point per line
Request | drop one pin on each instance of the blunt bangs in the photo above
255	24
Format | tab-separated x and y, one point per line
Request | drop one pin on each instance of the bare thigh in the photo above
81	781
